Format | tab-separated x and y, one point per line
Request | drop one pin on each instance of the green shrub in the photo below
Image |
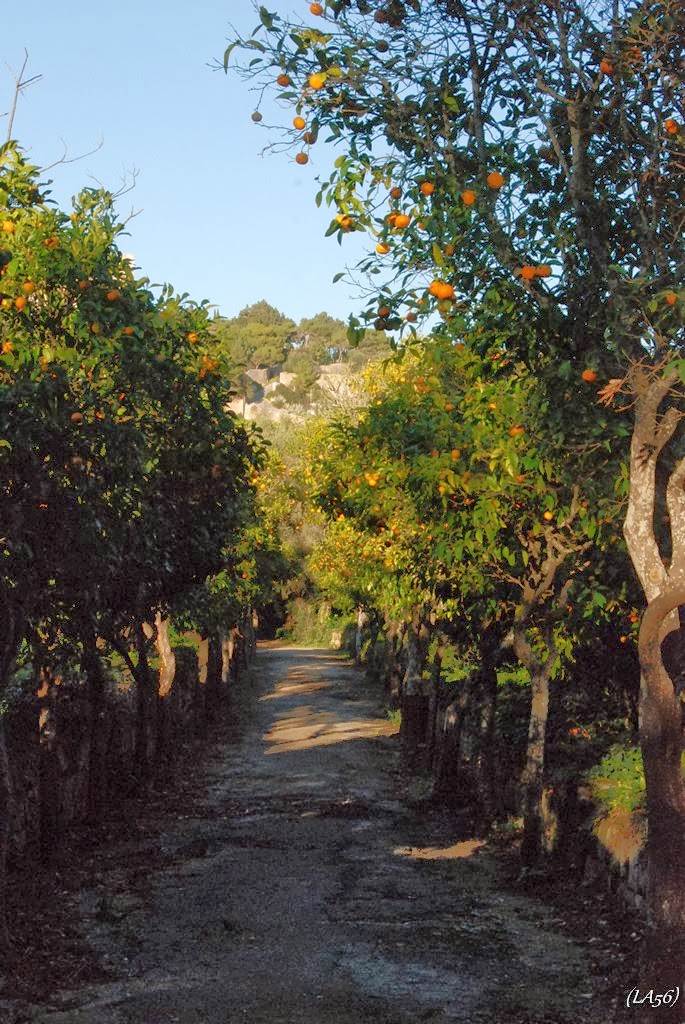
618	781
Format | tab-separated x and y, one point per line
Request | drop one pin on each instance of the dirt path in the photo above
300	889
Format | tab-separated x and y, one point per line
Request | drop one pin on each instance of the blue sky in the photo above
216	219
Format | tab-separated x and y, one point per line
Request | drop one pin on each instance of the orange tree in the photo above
121	475
534	156
448	501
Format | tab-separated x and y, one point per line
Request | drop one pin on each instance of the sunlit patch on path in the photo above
455	852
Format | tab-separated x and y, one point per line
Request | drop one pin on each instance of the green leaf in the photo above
438	256
266	18
227	54
338	277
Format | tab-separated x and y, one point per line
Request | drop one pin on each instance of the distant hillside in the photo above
285	369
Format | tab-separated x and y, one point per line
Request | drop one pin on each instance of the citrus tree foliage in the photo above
122	477
532	153
445	490
522	166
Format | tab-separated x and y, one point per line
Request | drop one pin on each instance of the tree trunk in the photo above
5	809
414	699
146	694
48	770
362	620
660	711
433	700
532	777
487	787
661	741
97	754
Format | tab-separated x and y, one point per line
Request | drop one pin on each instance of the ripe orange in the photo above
299	123
606	67
128	331
671	126
83	284
192	337
428	188
549	516
623	639
309	138
113	295
410	318
449	406
28	287
382	248
495	179
283	80
7	347
20	302
527	272
302	159
516	431
544	270
379	324
316	10
8	227
317	81
95	328
671	298
468	197
396	192
402	221
76	417
589	376
52	242
384	311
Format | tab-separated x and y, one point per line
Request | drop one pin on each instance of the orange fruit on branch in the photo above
113	295
382	248
20	302
317	81
671	298
544	270
671	126
283	80
28	287
606	67
428	188
256	117
402	221
316	10
8	227
495	179
302	159
589	376
396	192
527	272
299	123
76	417
468	197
